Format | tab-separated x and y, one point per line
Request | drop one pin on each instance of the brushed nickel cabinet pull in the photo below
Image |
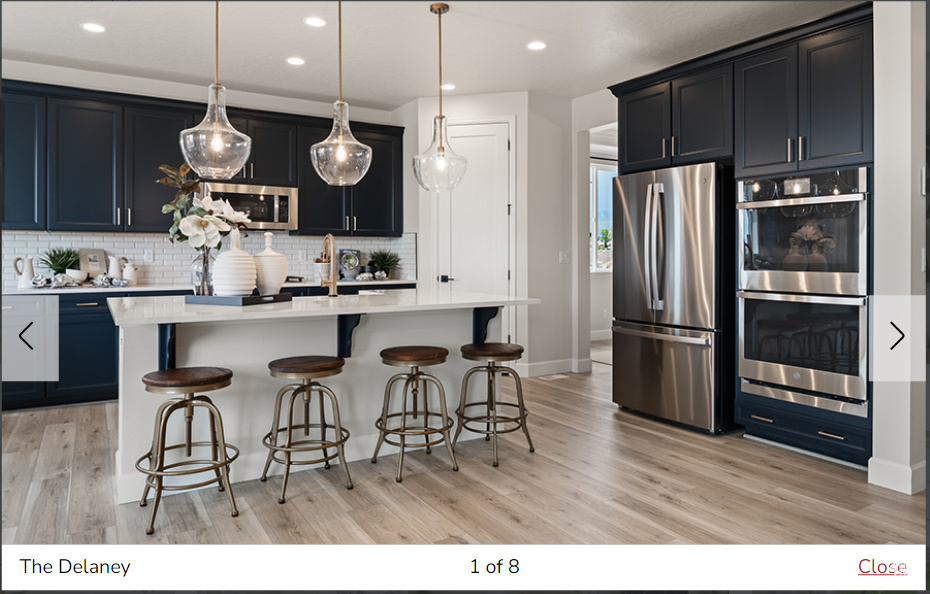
119	216
790	155
825	434
800	148
347	222
7	307
673	145
86	304
129	217
252	169
354	224
663	148
758	418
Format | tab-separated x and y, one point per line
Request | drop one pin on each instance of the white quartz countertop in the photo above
140	311
146	288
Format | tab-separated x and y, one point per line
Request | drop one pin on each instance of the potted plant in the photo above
385	260
58	260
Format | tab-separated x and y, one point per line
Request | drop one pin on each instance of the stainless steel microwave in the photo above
268	207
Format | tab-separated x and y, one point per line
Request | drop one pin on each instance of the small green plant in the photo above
384	259
60	259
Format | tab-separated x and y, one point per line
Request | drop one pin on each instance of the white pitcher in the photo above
115	270
25	274
130	274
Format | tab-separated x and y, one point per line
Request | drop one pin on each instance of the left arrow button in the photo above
23	339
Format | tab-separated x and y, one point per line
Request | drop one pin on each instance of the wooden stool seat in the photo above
492	351
309	366
188	378
414	356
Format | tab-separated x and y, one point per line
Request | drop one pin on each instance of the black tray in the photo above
248	300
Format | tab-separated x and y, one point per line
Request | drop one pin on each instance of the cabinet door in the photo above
377	200
835	92
274	153
23	395
88	357
702	116
23	161
85	165
322	208
152	139
645	128
767	113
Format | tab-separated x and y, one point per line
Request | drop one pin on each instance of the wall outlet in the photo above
148	255
564	257
302	256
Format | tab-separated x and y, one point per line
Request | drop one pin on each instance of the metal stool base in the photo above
386	424
282	452
492	420
156	470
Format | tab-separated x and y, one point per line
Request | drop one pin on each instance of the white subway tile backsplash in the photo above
172	262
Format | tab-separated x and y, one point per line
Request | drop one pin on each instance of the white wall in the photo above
899	407
602	290
589	111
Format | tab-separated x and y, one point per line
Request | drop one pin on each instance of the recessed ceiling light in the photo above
296	61
536	45
93	27
315	22
448	87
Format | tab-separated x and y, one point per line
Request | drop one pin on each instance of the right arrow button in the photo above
899	339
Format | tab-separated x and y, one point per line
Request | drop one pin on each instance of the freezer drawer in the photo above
666	372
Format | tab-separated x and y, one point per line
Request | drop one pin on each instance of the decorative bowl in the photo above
78	275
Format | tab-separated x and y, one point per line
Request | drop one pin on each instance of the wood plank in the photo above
45	515
91	474
56	452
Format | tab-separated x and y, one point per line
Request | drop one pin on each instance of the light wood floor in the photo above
599	475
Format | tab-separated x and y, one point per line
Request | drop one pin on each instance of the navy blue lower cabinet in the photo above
832	434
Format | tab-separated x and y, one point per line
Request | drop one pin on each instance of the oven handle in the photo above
857	301
666	337
802	201
858	409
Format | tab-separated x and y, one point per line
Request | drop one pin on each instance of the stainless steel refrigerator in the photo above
673	338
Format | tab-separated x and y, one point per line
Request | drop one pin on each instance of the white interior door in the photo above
475	223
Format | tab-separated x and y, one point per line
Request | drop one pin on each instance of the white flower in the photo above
204	230
213	207
234	216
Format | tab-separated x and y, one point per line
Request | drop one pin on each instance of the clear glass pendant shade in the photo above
341	160
439	168
213	148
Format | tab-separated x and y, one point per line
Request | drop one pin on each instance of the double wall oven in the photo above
803	298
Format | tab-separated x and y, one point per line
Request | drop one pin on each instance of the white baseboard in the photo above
898	477
545	368
600	334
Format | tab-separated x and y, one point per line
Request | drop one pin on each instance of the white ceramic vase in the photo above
271	268
234	271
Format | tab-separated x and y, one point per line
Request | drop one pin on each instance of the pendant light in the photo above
439	168
213	148
341	160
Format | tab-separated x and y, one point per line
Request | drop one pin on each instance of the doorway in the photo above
602	170
476	231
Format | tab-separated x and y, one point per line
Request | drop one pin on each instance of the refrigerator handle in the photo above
666	337
657	190
648	246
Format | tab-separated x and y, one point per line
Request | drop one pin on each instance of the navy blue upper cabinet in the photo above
807	105
767	112
273	159
152	139
835	112
645	128
702	116
85	165
686	120
373	207
23	161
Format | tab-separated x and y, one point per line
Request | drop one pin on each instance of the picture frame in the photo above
93	261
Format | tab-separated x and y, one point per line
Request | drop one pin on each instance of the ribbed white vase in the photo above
234	271
271	268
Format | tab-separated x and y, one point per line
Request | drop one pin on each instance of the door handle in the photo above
657	189
347	222
119	216
355	223
800	148
252	169
673	145
129	217
445	278
666	337
647	246
790	153
663	148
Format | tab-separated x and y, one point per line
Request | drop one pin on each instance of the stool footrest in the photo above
203	465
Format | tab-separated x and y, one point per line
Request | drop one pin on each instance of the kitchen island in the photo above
163	332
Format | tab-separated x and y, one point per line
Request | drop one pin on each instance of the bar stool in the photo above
414	357
186	381
307	369
492	353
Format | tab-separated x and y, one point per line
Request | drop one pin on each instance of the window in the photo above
602	215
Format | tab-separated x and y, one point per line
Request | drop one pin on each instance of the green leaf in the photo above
165	209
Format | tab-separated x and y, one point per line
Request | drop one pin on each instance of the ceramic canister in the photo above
271	268
234	271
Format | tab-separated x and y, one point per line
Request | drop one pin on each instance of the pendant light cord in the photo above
216	48
340	50
440	63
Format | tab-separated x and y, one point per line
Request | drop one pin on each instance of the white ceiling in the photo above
390	48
